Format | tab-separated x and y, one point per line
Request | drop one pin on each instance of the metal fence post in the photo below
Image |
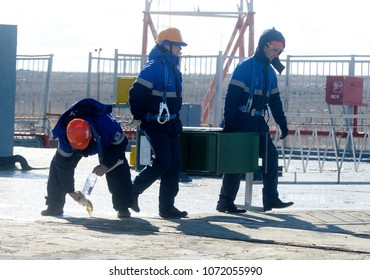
217	106
88	90
248	189
45	121
115	75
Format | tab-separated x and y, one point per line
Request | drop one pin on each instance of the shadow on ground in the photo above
132	226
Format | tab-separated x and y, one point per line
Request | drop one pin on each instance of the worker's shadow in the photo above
131	226
216	226
213	227
291	221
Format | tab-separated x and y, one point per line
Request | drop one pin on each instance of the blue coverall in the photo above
159	81
254	78
108	141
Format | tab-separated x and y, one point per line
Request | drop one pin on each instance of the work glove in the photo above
82	200
77	196
100	169
284	131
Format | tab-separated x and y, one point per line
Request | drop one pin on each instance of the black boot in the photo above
135	204
173	213
123	213
229	209
278	205
52	211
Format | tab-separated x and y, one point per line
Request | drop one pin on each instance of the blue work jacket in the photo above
160	80
256	79
108	139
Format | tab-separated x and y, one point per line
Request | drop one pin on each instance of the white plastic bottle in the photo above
89	184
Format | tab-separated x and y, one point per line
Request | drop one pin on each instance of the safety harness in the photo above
164	114
248	107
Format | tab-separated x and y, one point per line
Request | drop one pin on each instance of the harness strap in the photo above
251	88
164	114
253	80
164	96
151	117
252	112
248	107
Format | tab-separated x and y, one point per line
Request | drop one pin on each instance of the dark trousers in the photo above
231	182
166	165
120	186
61	179
118	180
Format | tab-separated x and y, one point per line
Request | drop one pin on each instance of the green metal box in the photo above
211	151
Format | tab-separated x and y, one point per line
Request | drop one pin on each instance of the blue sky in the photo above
71	29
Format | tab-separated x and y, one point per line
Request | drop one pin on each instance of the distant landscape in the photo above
65	89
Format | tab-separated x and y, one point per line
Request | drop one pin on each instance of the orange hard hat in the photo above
170	35
78	133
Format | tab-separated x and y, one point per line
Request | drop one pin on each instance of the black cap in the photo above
272	35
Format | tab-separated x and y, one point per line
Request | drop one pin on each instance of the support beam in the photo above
8	61
8	56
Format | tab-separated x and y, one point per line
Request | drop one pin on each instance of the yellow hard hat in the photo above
170	35
78	133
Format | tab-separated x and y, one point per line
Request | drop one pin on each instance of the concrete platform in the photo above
287	235
329	222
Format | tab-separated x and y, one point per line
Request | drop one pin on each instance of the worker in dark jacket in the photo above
252	93
84	129
155	100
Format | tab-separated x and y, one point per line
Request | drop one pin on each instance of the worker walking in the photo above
252	93
155	100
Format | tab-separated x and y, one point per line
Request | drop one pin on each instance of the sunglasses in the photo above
275	48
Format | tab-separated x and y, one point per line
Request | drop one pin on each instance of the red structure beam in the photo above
241	26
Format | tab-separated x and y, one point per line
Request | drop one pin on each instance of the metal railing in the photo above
321	143
320	133
33	74
303	86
